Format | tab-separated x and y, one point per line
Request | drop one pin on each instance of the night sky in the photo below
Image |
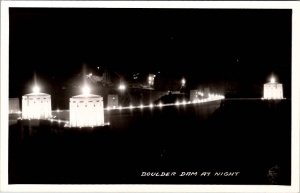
203	45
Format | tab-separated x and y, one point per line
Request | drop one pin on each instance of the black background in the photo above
240	46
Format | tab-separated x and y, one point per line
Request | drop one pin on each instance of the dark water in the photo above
247	136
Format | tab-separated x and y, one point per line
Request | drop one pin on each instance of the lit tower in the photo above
273	90
86	110
36	105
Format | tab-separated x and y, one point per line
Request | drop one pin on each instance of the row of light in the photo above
60	121
212	97
67	122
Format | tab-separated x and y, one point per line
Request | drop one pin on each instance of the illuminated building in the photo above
151	79
86	110
36	105
273	90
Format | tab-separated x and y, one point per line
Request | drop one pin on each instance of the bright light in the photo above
177	103
108	108
272	79
200	93
183	81
36	89
86	90
141	106
57	110
122	87
131	107
151	105
160	104
183	102
151	79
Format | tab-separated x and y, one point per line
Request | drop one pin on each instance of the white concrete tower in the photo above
273	90
36	105
86	110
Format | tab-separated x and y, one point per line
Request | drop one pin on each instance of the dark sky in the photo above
203	45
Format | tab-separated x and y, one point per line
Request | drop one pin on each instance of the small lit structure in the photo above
86	110
273	90
36	105
151	79
196	95
112	101
14	105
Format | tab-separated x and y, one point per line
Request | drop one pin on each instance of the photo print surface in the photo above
149	96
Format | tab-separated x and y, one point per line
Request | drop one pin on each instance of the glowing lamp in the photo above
86	90
122	87
183	81
273	79
36	89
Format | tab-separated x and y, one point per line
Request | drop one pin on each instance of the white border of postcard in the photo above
294	5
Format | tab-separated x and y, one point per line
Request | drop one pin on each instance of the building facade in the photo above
86	111
36	106
112	101
273	91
